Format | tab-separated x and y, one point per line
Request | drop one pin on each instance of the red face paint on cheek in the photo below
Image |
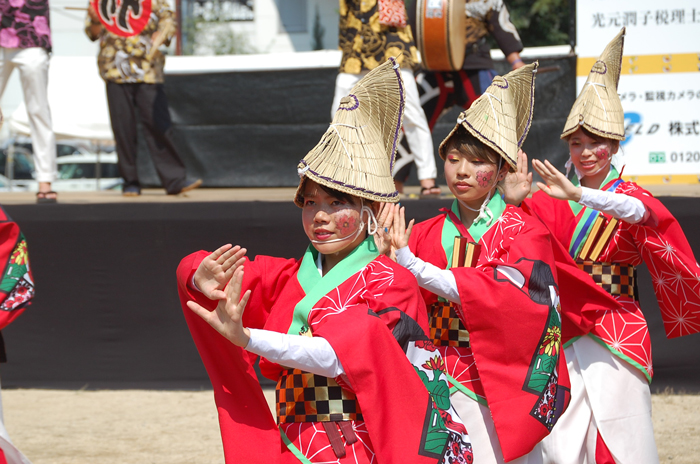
346	224
602	153
483	178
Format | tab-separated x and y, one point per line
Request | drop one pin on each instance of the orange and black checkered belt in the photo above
446	328
305	397
616	279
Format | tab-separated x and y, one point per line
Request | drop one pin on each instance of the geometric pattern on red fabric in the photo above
616	279
446	328
312	440
305	397
675	273
626	331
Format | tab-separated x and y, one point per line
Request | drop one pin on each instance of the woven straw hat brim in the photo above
502	116
598	108
356	154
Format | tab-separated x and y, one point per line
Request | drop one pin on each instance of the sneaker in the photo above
131	191
191	186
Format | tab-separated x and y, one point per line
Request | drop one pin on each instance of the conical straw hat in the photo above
356	154
598	107
501	117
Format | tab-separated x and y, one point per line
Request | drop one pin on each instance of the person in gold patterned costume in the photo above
132	67
441	90
366	43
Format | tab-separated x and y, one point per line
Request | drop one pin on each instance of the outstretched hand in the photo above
227	318
382	239
517	185
399	232
556	184
216	270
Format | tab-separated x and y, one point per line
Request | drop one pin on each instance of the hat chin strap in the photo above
371	221
483	210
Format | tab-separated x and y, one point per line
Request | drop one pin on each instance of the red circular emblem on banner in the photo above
123	17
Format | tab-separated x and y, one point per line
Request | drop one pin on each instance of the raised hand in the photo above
400	233
382	239
557	185
517	185
227	318
216	270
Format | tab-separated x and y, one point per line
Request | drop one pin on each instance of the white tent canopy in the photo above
77	100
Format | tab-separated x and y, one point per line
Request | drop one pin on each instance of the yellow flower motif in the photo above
405	34
353	22
19	256
550	345
353	66
396	52
366	5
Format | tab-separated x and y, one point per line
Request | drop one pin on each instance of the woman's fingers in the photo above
220	251
199	310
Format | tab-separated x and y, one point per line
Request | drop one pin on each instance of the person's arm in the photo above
618	205
505	34
310	354
93	26
430	277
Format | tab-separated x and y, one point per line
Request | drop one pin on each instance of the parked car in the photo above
79	173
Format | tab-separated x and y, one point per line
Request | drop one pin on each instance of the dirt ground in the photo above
154	427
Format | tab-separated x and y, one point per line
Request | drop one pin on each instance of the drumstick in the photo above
76	8
546	69
168	27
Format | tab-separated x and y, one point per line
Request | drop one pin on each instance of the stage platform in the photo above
107	315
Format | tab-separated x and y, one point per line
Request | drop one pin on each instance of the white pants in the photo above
415	123
33	65
12	454
610	397
482	433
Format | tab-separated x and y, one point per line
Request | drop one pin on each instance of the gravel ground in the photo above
154	427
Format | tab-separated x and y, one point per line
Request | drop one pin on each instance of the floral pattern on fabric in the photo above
25	24
16	284
124	60
443	431
366	44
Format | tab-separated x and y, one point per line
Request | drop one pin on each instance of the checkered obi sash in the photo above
616	279
446	328
305	397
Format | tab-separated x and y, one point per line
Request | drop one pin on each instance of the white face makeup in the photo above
470	179
334	226
591	156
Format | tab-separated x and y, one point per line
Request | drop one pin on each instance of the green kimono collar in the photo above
477	230
316	286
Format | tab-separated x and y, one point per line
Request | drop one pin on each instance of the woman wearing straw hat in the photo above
487	270
610	226
319	322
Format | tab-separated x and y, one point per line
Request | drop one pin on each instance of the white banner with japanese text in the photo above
660	80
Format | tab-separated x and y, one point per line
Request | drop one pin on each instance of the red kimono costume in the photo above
366	307
16	293
502	345
620	407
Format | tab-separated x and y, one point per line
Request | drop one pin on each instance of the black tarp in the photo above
107	315
249	129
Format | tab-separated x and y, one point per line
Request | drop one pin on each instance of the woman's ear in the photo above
503	172
375	205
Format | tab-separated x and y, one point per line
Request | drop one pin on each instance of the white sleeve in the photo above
618	205
439	281
310	354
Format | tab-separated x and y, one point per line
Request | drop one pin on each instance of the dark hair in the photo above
468	145
337	194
